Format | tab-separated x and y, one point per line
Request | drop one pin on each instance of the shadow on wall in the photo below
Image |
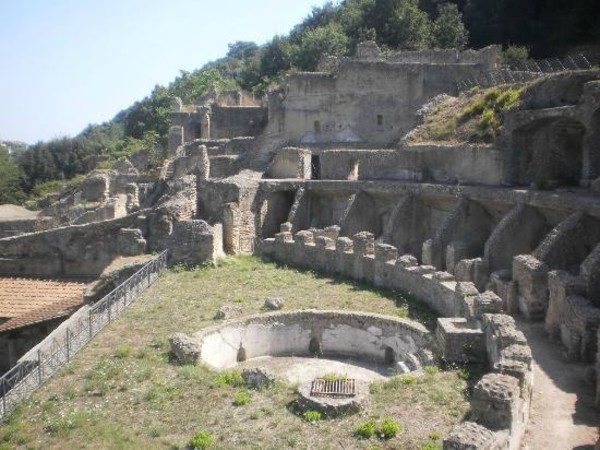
276	210
549	153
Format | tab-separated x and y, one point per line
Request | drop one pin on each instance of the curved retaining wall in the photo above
363	336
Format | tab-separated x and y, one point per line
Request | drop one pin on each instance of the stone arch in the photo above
548	152
363	215
276	210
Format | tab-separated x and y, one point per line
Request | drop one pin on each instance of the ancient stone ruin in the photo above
318	175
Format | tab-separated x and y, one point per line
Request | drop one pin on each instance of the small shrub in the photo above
515	55
312	415
365	430
431	370
435	435
123	351
201	440
402	311
242	398
389	428
228	377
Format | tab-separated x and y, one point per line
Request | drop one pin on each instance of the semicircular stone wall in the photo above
363	336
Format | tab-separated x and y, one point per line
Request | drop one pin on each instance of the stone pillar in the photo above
344	250
325	254
174	139
495	401
531	276
364	247
385	258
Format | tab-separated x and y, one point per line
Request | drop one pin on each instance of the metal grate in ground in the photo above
333	388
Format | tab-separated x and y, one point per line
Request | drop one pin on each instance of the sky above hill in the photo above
67	63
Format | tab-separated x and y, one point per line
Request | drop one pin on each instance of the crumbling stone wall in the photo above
74	251
465	164
362	100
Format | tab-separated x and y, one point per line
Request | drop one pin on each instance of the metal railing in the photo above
524	71
38	366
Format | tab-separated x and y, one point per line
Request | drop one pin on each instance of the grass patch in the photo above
201	440
124	391
312	416
474	116
242	398
365	430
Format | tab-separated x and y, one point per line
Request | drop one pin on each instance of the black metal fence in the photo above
59	347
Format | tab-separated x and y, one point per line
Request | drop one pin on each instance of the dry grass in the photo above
123	391
475	116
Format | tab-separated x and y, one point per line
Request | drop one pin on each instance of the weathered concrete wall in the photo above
73	251
232	121
10	228
290	162
465	164
364	101
370	337
551	140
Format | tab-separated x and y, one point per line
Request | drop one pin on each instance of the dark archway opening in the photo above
548	153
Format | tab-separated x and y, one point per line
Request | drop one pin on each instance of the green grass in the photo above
312	416
124	390
475	116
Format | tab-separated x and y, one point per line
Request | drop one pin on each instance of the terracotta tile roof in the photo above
25	301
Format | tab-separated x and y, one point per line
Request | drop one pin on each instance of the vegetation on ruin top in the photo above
475	116
124	391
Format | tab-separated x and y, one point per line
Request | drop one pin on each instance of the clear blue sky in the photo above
67	63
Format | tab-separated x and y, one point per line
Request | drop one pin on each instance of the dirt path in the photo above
562	412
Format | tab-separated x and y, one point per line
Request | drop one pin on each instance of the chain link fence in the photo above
38	366
529	70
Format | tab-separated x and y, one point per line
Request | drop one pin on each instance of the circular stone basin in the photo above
355	335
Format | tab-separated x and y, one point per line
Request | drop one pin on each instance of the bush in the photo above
312	415
389	428
201	440
515	56
242	398
123	351
365	430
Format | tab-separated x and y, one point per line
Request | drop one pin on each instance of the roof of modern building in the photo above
25	301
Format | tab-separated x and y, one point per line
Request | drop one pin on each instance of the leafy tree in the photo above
325	40
448	29
11	177
276	57
409	27
150	114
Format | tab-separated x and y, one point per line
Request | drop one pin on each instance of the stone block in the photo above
495	401
385	252
185	349
487	302
407	261
285	227
460	341
469	436
344	245
284	236
303	237
455	251
364	243
531	276
323	242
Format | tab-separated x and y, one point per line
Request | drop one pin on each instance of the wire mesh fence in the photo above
58	348
523	71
